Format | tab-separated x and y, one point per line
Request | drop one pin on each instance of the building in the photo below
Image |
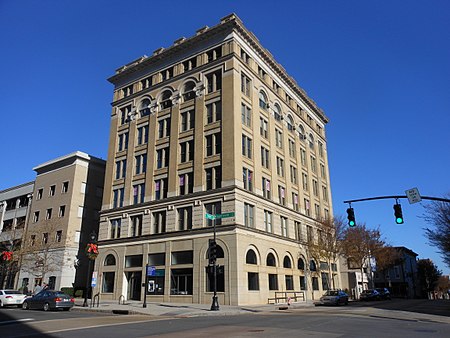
401	277
212	125
354	279
14	206
65	206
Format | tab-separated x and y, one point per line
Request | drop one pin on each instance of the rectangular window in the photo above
315	283
313	164
133	261
220	279
142	135
266	188
325	281
52	190
268	216
36	216
190	64
58	237
280	166
164	128
187	120
295	201
186	183
115	228
299	236
248	215
214	54
162	158
281	195
293	171
265	156
325	194
122	142
184	218
45	238
157	259
32	240
108	282
182	257
136	225
292	148
141	164
213	178
305	181
124	113
159	222
213	144
48	214
40	192
213	112
315	186
306	202
246	115
213	82
118	196
273	281
302	283
245	85
320	146
121	169
246	146
303	157
65	187
253	281
284	226
247	178
322	171
213	209
279	138
317	210
138	193
161	188
263	128
181	281
289	282
186	151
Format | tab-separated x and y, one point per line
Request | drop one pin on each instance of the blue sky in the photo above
379	69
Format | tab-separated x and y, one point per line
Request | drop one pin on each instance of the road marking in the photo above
16	321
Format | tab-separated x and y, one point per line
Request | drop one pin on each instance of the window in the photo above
124	114
188	91
182	257
301	264
220	280
245	85
311	141
115	228
214	54
315	283
284	226
184	218
165	101
181	281
48	214
246	146
244	56
246	115
52	190
279	138
281	195
317	210
58	237
32	240
247	178
136	225
142	135
287	264
301	133
290	123
250	257
266	187
295	201
277	112
273	281
325	281
265	157
280	166
159	222
306	202
141	164
167	74
108	282
293	171
65	187
164	128
313	164
122	142
190	64
146	83
186	151
144	108
315	186
213	209
320	147
213	81
133	261
289	279
253	281
263	102
302	283
270	260
118	196
263	127
291	148
213	177
325	194
249	215
312	265
110	260
303	157
213	144
121	169
157	259
186	183
268	217
322	171
305	181
40	192
161	188
45	238
162	158
261	72
213	112
187	120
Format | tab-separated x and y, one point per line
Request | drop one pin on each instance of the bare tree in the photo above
437	214
327	245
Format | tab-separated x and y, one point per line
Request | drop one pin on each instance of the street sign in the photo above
413	195
151	270
209	216
225	215
94	279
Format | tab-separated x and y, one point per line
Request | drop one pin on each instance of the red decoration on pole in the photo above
7	255
92	251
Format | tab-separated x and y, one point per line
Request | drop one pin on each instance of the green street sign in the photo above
209	216
225	215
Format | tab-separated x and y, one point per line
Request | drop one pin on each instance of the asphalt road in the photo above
349	321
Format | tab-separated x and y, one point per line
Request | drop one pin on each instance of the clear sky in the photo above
379	69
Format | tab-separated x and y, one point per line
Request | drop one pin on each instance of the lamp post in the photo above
91	253
215	301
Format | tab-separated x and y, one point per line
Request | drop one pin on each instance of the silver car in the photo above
49	300
334	297
11	297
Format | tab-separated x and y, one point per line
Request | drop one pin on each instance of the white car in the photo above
11	297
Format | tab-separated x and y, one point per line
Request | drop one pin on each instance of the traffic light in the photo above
212	251
351	217
398	213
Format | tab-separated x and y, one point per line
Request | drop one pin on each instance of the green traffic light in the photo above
351	223
399	220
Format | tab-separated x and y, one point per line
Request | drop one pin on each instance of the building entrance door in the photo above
134	285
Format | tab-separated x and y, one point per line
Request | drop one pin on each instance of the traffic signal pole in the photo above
215	302
397	197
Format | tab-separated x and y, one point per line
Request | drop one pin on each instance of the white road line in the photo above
16	321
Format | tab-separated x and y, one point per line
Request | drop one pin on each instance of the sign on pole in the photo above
151	270
209	216
94	279
413	195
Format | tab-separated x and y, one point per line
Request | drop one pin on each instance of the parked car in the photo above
370	294
11	297
49	300
334	297
384	293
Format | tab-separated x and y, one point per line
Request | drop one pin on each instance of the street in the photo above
356	320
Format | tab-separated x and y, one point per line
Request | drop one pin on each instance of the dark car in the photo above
49	300
334	297
384	293
370	294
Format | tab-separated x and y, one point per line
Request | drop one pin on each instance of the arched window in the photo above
144	108
290	123
287	262
277	112
312	265
219	252
263	103
270	261
110	260
250	258
188	91
166	102
301	133
311	141
301	264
